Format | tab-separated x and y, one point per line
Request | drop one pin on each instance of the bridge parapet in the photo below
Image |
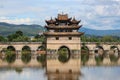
12	43
20	45
104	45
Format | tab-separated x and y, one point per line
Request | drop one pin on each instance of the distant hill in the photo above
100	32
6	29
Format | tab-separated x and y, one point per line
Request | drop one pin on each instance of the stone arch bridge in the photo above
105	46
34	46
93	47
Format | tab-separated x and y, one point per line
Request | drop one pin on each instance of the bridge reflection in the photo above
63	76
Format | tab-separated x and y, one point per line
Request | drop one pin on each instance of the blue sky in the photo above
95	14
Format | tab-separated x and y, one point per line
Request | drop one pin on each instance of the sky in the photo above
94	14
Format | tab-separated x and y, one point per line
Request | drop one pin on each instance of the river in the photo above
87	73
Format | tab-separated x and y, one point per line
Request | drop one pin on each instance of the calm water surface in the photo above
88	73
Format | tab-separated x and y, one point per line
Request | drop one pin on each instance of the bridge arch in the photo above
99	54
114	50
84	49
114	53
99	50
11	48
40	48
26	54
64	54
26	48
10	54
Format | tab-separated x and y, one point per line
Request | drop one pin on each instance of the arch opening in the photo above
10	54
99	54
63	54
41	48
41	57
26	54
114	53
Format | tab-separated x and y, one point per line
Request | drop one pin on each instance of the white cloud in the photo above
16	20
90	12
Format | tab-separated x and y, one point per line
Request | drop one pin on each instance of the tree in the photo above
40	38
107	39
18	36
20	33
2	39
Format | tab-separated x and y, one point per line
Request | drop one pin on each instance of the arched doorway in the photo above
84	54
63	54
99	54
10	54
26	54
41	57
114	53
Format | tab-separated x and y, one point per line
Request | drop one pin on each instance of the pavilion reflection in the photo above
63	76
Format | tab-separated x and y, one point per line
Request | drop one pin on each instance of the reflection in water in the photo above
18	70
89	73
63	76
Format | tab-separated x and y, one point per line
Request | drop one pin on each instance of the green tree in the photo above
107	39
20	33
40	38
18	36
2	39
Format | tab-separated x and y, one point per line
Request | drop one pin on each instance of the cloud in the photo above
94	14
16	20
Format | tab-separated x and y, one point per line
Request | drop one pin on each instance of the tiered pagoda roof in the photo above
63	22
62	18
63	27
63	33
51	21
74	21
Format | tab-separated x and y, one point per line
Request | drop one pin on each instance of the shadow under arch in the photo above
27	48
12	48
26	54
64	54
41	48
114	53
